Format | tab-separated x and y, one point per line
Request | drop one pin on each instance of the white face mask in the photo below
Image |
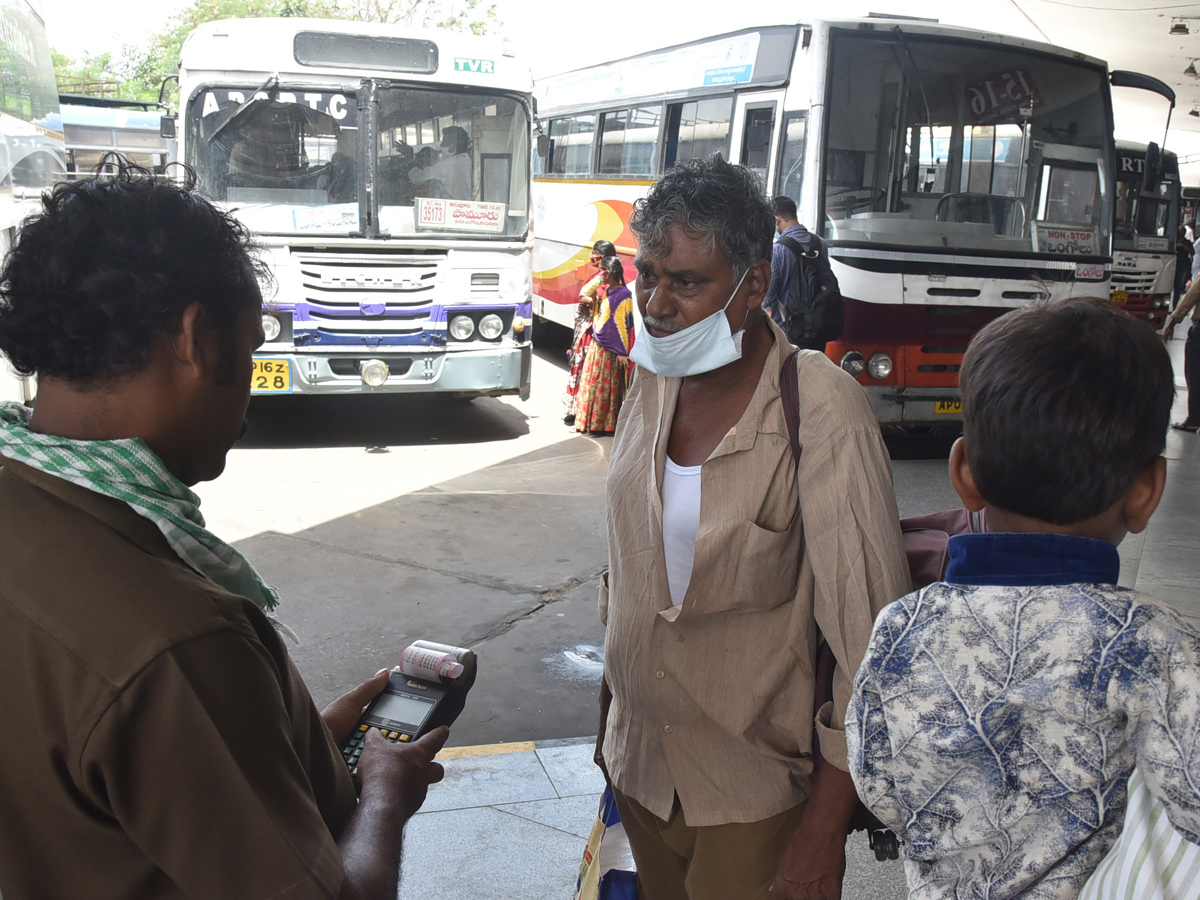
703	347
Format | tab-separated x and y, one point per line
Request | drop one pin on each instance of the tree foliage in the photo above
140	69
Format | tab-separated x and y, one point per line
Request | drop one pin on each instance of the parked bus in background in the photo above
31	141
94	126
954	175
1190	204
386	173
1144	230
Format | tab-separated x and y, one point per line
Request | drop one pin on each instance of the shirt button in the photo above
681	639
658	674
667	729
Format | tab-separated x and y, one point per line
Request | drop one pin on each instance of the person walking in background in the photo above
588	296
1195	266
783	260
1191	355
1184	258
606	369
803	298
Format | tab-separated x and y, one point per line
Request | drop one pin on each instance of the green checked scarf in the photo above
127	470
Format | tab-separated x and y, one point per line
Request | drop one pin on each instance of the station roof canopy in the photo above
1160	38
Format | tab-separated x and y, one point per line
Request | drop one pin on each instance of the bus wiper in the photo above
917	72
271	82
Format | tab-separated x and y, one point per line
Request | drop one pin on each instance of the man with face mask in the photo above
729	561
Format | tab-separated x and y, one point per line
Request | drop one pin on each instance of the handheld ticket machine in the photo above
428	689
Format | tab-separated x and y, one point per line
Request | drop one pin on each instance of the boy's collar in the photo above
1029	559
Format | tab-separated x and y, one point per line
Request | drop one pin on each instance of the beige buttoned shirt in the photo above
713	699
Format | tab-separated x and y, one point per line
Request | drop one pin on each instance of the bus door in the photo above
755	126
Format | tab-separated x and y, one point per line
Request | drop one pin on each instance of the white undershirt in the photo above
681	523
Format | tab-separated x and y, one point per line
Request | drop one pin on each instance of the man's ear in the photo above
1142	499
962	479
758	279
191	343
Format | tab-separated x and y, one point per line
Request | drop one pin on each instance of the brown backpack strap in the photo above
789	392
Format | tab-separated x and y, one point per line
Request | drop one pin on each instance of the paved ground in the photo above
385	520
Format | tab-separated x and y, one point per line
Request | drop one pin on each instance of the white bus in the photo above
1144	230
31	141
386	173
955	175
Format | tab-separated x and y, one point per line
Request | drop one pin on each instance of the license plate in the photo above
1120	298
271	376
948	407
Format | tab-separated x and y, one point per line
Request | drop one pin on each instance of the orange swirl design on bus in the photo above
561	283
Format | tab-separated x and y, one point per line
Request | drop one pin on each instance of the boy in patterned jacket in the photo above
998	714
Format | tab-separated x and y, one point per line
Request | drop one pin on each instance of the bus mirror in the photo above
166	127
1152	171
543	145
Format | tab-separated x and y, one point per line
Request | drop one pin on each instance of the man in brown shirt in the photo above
156	739
728	561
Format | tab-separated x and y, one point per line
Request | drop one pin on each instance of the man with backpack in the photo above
803	299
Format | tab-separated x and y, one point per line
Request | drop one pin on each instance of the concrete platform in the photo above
511	820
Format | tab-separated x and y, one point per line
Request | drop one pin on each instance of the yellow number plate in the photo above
1120	298
948	407
271	376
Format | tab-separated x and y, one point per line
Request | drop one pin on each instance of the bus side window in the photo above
791	165
697	129
571	145
627	141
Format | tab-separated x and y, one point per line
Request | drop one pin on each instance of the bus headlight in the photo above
879	366
491	327
374	372
461	328
271	327
852	361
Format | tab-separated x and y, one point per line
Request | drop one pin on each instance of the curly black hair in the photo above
111	261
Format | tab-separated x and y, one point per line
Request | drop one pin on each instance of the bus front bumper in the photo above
480	372
915	406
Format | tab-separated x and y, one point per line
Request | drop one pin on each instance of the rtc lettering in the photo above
334	105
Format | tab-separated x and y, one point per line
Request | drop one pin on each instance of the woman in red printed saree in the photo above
591	295
606	368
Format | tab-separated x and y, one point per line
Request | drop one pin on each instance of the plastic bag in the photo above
607	871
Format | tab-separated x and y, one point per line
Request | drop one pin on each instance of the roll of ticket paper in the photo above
419	662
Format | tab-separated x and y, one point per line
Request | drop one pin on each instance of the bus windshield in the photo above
452	161
288	160
1142	215
941	143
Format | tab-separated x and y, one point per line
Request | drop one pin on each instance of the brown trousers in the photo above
712	862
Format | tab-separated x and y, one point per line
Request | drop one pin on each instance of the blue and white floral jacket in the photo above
997	716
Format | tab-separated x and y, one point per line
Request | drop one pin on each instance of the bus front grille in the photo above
353	295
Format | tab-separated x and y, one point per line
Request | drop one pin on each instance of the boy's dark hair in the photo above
1064	404
785	207
112	261
710	200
